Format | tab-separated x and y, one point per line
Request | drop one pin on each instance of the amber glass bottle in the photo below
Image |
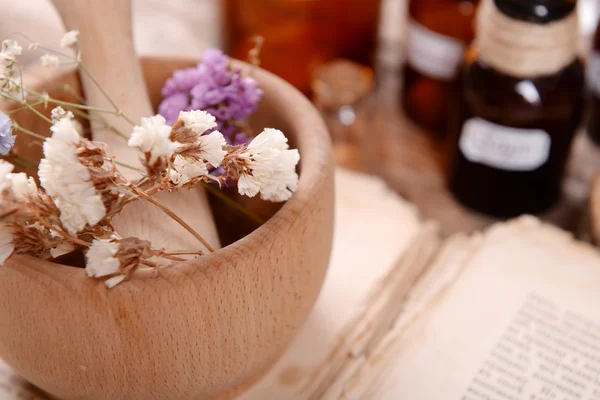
300	35
522	94
594	88
439	31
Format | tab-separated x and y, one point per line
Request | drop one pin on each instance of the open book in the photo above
512	313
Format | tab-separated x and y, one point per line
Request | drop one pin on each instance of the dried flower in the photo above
266	165
198	121
9	80
7	140
118	259
11	47
215	87
152	138
67	181
100	260
49	61
69	39
211	148
183	172
192	144
22	186
58	113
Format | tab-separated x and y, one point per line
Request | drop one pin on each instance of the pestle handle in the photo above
108	53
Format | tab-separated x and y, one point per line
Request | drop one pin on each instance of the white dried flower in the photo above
22	186
11	47
67	181
211	148
49	61
6	169
59	113
69	39
153	137
114	281
183	171
8	80
62	249
100	260
198	121
33	46
7	245
271	167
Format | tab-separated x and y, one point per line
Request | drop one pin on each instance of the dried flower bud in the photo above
69	39
11	47
49	61
58	113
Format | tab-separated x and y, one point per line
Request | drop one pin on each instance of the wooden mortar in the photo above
202	328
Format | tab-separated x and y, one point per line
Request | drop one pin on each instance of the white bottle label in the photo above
501	147
433	54
593	72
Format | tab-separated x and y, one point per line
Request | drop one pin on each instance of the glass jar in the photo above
521	101
341	92
300	35
438	33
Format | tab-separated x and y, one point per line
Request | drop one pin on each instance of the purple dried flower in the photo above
183	80
215	87
7	140
172	105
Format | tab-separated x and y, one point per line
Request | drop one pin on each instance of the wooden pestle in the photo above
108	53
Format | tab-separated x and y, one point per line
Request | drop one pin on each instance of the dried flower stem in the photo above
171	214
105	124
21	161
27	131
64	234
69	104
67	88
124	165
254	53
77	60
183	253
119	112
27	105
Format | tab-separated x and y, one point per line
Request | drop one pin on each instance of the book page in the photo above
520	322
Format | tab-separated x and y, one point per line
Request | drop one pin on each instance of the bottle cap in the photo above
536	11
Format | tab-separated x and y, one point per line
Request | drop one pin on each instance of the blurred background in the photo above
382	73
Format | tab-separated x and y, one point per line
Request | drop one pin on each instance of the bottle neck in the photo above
525	49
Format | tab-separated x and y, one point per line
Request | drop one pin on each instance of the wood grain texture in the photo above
202	327
108	53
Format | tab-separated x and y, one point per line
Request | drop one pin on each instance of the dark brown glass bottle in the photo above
300	35
439	31
513	131
594	88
